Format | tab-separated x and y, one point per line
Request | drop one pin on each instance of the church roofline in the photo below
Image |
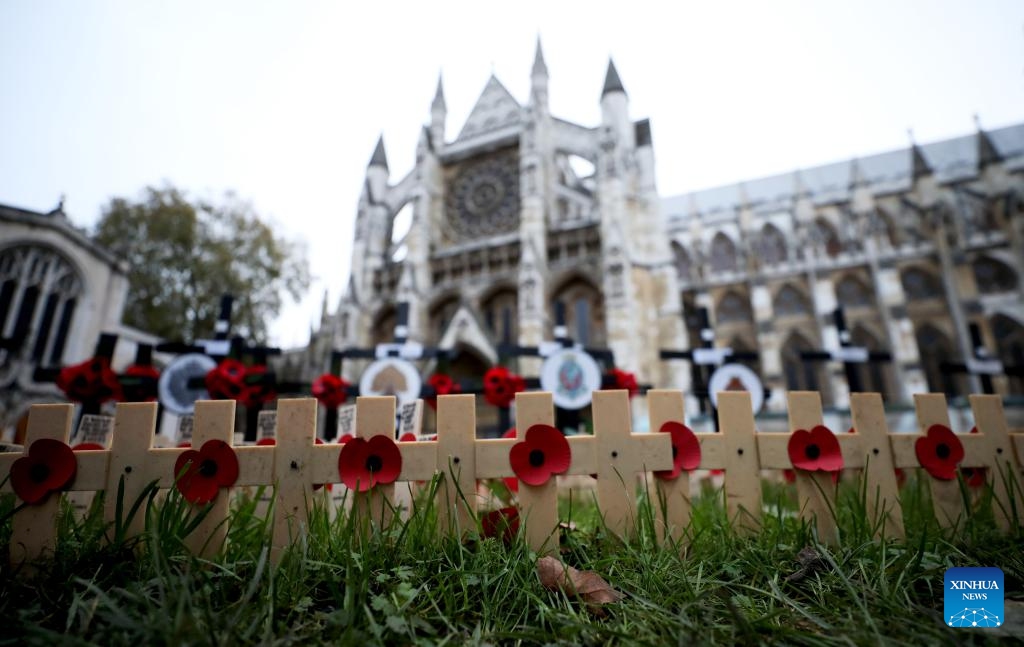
951	160
55	221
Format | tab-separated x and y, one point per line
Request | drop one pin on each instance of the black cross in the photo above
703	361
562	339
981	364
398	347
851	356
105	346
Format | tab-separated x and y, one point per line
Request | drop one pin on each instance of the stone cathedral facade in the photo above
496	223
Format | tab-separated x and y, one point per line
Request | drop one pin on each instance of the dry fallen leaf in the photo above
588	585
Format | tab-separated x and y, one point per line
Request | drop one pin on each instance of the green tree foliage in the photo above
183	254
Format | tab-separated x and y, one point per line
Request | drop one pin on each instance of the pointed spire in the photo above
379	157
987	152
918	164
438	103
612	83
540	68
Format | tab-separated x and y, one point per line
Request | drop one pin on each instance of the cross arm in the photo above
419	460
773	450
653	451
492	458
712	451
255	465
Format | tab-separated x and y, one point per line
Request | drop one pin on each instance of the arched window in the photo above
39	291
723	254
499	310
1009	336
851	292
935	348
741	344
584	311
799	374
733	307
920	285
790	302
441	315
826	238
684	266
772	246
882	227
383	330
993	276
872	374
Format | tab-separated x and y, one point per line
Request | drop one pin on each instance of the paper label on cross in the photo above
266	425
346	420
93	429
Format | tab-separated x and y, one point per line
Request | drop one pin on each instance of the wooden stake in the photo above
881	491
946	497
457	461
742	466
34	527
134	428
215	420
993	443
296	433
815	490
672	507
376	417
621	455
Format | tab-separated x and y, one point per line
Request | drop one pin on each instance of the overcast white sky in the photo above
282	102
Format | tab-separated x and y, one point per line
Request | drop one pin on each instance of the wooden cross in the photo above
734	450
870	444
815	490
621	455
538	503
990	448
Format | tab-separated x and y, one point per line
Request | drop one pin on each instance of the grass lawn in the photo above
407	586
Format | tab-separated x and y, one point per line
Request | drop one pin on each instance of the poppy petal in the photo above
830	458
24	485
519	459
557	453
352	465
939	452
797	446
224	456
685	450
265	442
390	457
502	523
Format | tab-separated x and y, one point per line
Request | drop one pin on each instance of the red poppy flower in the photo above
939	452
202	473
543	452
49	467
625	380
258	389
91	381
685	450
503	523
345	438
901	477
501	386
408	437
442	385
185	444
227	380
330	390
789	475
140	385
815	450
511	482
363	463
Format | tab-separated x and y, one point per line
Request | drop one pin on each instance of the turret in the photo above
615	108
377	172
438	113
539	81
